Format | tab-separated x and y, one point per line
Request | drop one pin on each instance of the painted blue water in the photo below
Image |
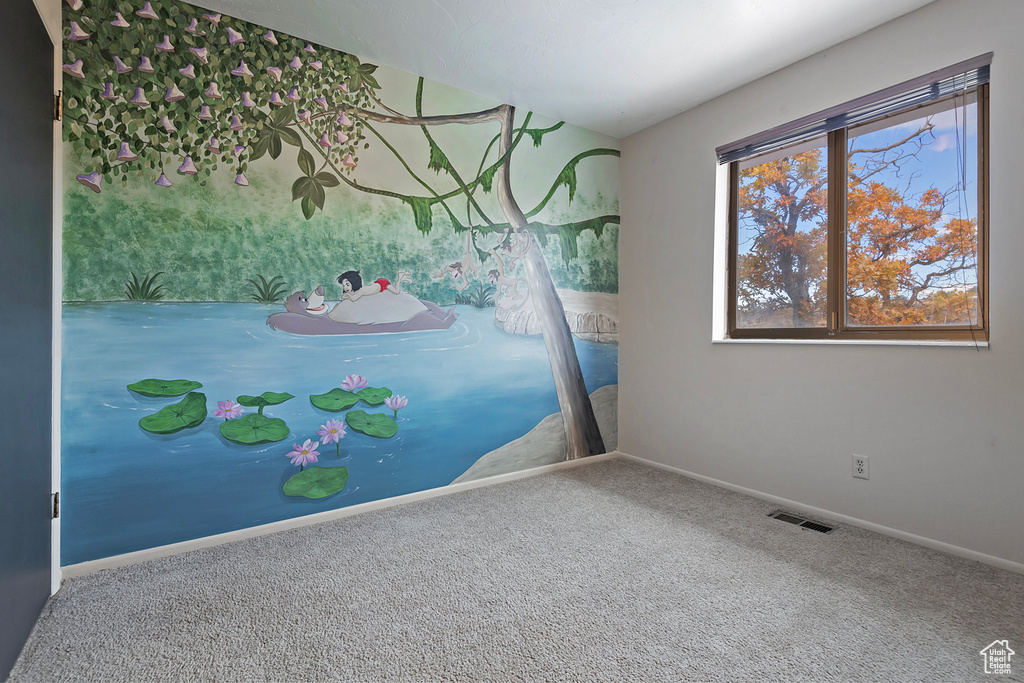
471	389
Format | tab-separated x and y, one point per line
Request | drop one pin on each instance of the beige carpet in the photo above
611	571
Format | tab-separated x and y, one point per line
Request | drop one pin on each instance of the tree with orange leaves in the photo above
907	262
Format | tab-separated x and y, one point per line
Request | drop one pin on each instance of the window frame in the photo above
837	327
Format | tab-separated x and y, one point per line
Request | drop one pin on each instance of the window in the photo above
868	220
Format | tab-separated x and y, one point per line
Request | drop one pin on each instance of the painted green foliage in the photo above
371	424
254	429
148	92
162	388
373	396
267	398
335	400
316	482
187	413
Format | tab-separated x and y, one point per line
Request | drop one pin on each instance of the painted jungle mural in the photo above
295	281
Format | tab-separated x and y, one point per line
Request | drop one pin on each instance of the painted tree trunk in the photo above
582	435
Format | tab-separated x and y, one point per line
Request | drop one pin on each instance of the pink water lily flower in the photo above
353	382
228	410
305	454
332	432
396	403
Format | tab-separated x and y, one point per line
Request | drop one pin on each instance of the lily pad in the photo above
316	482
373	396
335	400
372	424
254	429
267	398
186	413
162	388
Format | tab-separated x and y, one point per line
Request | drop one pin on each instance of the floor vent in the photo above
801	522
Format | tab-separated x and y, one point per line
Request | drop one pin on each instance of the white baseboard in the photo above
992	560
82	568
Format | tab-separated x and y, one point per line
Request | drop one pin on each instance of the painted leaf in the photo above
300	188
290	136
308	207
254	429
380	426
307	164
327	179
162	388
373	396
185	414
275	146
316	482
317	193
335	400
267	398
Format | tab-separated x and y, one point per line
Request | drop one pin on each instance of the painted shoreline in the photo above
545	443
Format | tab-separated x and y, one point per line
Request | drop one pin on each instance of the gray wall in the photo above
944	427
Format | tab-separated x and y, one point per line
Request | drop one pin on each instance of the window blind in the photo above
933	86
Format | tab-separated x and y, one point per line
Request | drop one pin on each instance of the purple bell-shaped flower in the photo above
120	66
240	179
193	26
295	63
91	180
247	100
212	18
75	4
165	45
214	146
275	72
309	49
212	92
126	154
306	116
324	142
293	95
234	37
342	87
139	98
147	12
188	72
187	167
202	53
173	94
168	125
77	33
270	37
343	120
342	138
349	161
119	22
204	113
74	69
236	123
146	66
317	65
276	100
108	91
321	102
239	149
241	70
162	181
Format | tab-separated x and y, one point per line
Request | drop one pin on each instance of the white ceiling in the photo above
614	66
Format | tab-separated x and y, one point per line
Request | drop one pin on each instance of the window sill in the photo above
980	344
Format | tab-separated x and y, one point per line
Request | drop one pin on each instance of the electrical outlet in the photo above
860	466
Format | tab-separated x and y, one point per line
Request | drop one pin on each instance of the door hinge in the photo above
56	505
58	106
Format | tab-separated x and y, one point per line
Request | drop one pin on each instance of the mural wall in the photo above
295	281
